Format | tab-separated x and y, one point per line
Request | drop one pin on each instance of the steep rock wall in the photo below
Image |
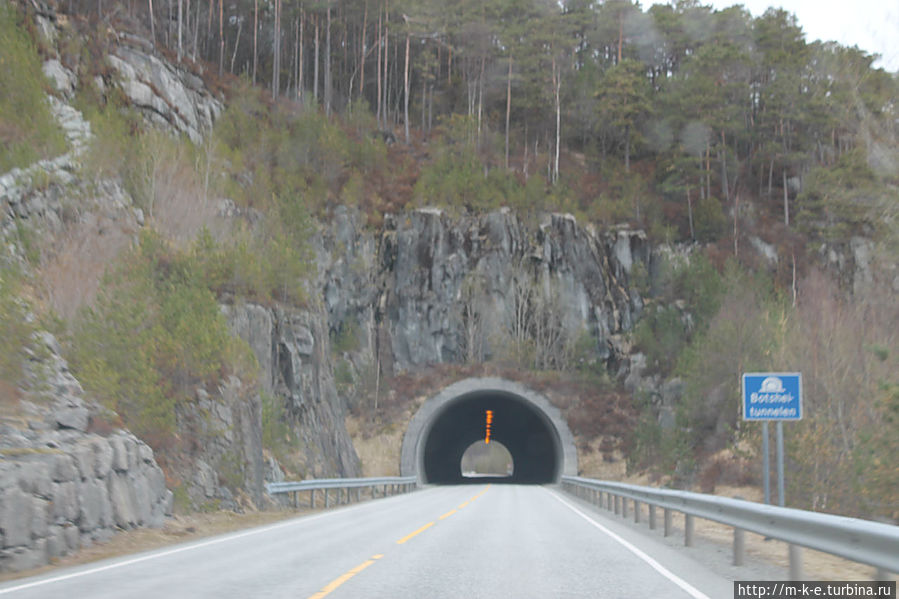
431	289
63	487
293	352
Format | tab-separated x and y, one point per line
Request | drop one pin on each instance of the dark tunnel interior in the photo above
520	427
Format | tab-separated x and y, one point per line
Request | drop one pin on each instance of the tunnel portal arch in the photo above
530	427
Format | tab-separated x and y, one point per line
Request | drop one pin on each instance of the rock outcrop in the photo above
63	487
293	351
167	95
433	289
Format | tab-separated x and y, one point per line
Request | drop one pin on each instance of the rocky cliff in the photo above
430	288
63	484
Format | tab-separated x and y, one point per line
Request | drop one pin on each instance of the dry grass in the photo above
815	565
595	463
71	274
379	451
183	204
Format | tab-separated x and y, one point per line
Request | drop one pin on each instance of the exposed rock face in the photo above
435	289
62	488
167	95
292	348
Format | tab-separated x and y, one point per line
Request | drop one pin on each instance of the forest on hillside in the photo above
704	126
668	116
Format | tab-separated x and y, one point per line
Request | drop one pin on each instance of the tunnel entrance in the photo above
487	459
446	425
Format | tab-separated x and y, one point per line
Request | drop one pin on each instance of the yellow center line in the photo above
347	575
344	577
412	534
479	494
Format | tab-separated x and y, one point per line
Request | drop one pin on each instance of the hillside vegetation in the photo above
706	128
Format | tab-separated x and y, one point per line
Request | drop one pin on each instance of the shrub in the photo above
661	334
15	329
709	220
28	131
154	334
277	436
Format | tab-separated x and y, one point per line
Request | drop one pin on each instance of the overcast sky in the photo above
872	25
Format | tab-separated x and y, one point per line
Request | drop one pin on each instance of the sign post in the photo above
772	396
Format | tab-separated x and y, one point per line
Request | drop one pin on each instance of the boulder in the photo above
62	78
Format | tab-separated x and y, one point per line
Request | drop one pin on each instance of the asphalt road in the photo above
463	541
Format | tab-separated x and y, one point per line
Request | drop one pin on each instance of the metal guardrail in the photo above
389	485
861	541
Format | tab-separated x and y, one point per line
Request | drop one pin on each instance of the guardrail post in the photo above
609	501
327	499
312	498
689	528
617	505
795	562
624	507
652	515
636	511
739	546
667	518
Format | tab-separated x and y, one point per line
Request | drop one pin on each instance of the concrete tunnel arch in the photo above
525	422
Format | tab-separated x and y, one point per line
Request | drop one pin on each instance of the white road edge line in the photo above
683	584
198	545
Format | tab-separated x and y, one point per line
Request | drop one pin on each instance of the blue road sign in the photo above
772	396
